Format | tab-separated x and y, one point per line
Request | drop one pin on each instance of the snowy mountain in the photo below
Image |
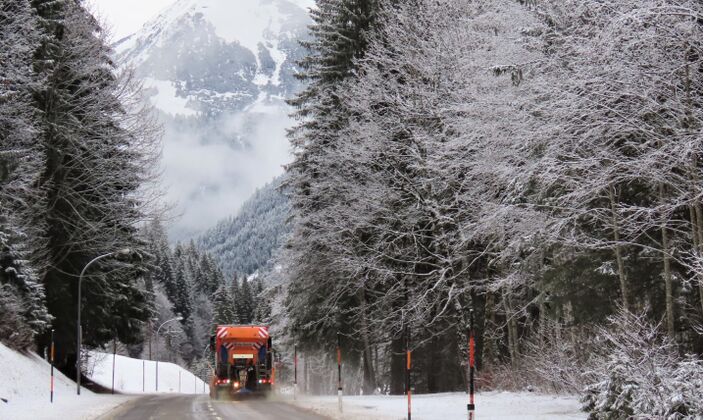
218	72
207	57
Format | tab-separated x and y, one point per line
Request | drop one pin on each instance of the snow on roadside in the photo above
25	381
449	406
136	376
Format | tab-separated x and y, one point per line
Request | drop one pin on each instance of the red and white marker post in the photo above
470	406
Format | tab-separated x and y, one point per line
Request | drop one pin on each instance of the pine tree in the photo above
161	271
223	309
182	298
235	292
20	160
96	144
262	307
339	38
245	303
210	278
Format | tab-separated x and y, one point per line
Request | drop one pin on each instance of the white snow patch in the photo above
243	21
279	58
166	98
138	376
25	384
446	406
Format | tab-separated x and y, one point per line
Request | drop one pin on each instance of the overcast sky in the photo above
126	16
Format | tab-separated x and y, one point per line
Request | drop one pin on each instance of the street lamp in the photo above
122	252
178	318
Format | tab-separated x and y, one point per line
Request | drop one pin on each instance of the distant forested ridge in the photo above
244	243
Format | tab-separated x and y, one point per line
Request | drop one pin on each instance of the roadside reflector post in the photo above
143	373
470	406
179	381
408	372
51	359
339	375
295	370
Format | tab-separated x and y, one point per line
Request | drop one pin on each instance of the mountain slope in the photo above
219	72
214	56
246	242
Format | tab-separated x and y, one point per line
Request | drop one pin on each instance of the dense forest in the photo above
185	281
247	241
537	162
77	152
79	155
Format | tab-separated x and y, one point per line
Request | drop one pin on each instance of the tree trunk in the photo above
305	373
398	366
369	376
697	244
669	300
512	332
488	350
623	282
695	211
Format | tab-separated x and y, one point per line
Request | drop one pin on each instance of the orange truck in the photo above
243	361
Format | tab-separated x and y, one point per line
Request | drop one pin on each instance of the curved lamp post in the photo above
178	318
123	252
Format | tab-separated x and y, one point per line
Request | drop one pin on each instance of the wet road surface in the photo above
170	407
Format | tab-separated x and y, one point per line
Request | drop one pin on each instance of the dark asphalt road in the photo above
186	407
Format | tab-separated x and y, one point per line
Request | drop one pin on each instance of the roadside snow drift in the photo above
25	383
136	376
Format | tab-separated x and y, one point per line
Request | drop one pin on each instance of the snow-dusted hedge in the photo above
635	372
553	360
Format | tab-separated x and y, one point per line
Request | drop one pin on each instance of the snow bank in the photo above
136	376
449	406
24	383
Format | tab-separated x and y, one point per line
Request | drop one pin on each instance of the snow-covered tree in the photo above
223	308
636	372
244	302
99	146
20	159
499	156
